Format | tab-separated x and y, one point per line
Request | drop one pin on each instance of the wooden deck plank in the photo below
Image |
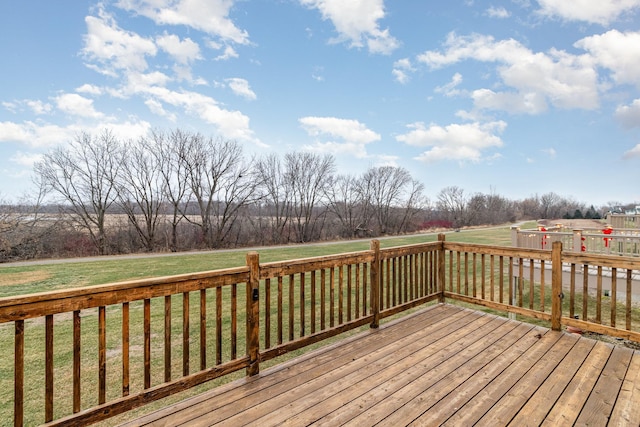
540	403
512	402
286	375
442	365
445	407
627	408
428	389
598	407
570	403
482	402
386	396
360	371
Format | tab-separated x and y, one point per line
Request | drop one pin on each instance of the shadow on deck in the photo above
443	365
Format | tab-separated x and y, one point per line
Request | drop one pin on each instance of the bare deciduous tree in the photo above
277	192
453	202
142	189
83	175
383	189
308	175
345	201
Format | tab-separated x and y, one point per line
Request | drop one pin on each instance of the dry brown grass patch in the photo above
23	278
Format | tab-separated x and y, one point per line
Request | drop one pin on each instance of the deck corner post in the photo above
441	268
253	313
556	286
376	284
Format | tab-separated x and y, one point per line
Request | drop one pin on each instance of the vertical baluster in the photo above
357	290
483	278
572	291
125	349
475	279
302	304
267	313
599	295
234	321
291	306
542	284
323	299
501	272
48	371
313	302
520	281
614	296
77	347
349	292
365	285
185	334
280	308
340	294
387	263
102	355
531	283
203	329
18	375
167	338
218	325
492	278
585	290
332	297
628	308
147	343
511	296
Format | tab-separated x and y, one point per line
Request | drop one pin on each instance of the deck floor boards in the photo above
444	365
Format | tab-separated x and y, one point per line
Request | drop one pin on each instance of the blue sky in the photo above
517	97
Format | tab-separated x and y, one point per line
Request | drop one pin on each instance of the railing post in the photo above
556	286
441	268
577	240
515	230
253	313
375	284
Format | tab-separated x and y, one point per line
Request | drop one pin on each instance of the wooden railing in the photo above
84	355
625	242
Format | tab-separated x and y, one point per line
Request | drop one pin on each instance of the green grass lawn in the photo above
49	277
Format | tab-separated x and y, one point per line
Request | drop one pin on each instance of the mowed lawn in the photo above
41	277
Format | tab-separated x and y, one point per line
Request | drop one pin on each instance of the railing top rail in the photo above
499	250
302	265
63	301
618	261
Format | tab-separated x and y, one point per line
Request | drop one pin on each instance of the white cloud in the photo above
26	159
618	52
449	89
401	70
89	89
76	105
462	142
210	16
113	48
356	21
601	12
634	152
563	80
228	53
231	124
352	135
498	12
629	115
184	51
157	108
34	134
241	88
38	107
551	152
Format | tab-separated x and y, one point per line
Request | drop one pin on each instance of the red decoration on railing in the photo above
607	230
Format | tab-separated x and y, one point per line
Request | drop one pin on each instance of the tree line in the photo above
180	190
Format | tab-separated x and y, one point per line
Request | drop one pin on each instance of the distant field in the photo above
38	277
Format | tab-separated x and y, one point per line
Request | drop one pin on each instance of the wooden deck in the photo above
441	366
